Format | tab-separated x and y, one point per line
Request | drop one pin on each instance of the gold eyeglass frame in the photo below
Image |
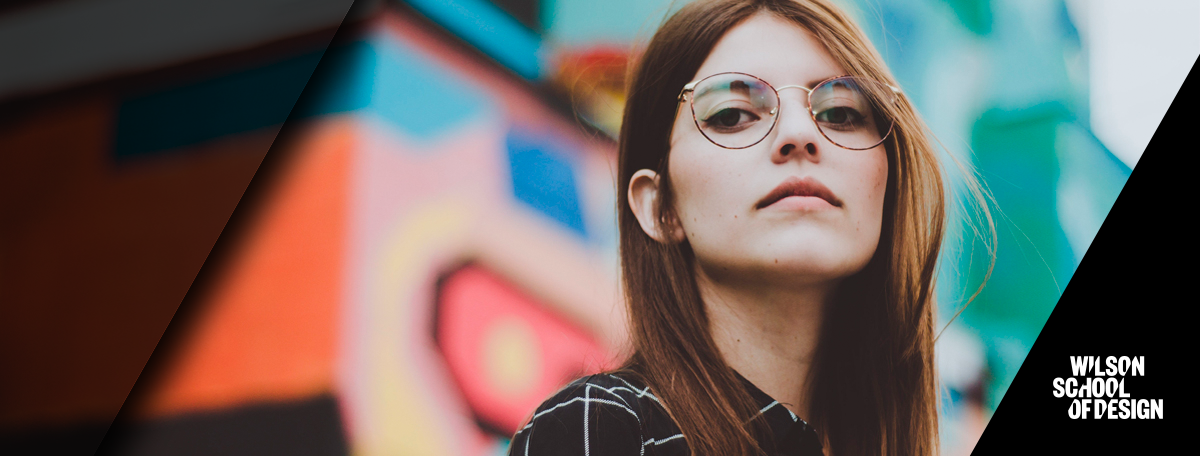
690	88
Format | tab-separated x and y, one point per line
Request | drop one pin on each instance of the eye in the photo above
730	119
841	117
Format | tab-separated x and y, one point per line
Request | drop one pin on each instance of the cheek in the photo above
704	188
691	180
866	185
878	181
874	187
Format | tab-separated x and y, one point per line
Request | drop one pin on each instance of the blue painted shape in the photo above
377	76
490	29
500	446
342	82
233	103
1070	32
580	23
976	15
542	179
381	77
419	96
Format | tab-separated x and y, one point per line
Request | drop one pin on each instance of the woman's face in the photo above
720	193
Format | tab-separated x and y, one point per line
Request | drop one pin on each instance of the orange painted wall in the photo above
268	329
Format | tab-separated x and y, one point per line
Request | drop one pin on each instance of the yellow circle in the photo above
511	357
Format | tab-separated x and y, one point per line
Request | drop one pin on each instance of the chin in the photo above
815	261
790	257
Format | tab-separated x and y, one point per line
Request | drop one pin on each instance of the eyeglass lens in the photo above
737	111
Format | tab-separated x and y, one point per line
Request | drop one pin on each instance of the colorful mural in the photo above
438	252
439	258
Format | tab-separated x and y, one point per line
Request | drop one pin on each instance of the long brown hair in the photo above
873	387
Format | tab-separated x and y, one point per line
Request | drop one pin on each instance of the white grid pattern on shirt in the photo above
587	393
644	392
622	401
661	441
572	401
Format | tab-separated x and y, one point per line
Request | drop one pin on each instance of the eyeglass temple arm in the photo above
691	86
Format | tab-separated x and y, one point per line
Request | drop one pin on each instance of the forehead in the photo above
774	49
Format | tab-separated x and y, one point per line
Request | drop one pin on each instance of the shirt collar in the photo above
791	435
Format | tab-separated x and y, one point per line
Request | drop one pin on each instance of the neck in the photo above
768	334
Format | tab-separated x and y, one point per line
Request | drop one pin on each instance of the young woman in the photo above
781	215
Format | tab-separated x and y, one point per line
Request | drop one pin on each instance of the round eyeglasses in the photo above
737	110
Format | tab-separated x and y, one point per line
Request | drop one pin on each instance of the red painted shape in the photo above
477	308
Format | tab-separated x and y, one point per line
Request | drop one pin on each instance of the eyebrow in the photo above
812	84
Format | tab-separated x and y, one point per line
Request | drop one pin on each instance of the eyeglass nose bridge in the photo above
808	93
806	89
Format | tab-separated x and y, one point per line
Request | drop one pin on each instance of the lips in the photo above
795	186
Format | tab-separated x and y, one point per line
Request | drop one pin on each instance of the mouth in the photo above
803	187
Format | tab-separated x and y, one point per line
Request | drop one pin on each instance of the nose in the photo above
796	135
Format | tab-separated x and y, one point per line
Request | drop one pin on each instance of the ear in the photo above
643	200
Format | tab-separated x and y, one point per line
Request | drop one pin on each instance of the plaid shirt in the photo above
624	417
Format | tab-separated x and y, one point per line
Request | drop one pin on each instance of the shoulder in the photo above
597	415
